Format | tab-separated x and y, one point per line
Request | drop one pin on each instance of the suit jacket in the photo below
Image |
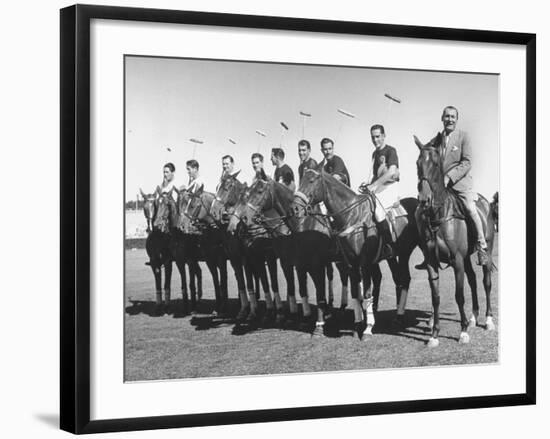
457	157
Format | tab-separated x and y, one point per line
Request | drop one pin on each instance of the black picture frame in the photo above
75	216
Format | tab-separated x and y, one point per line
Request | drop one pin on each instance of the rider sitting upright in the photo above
456	154
385	175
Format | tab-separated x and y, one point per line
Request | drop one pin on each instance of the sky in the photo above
170	100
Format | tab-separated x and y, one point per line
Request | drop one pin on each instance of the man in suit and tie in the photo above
455	149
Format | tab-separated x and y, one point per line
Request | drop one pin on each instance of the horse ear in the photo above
142	194
158	192
418	142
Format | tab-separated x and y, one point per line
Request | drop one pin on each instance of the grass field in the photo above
173	346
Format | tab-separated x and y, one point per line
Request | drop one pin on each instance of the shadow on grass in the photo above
339	324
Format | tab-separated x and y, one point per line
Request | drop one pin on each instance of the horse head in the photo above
430	173
149	209
164	210
243	212
227	196
309	193
198	206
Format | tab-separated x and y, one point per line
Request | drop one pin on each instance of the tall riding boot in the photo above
387	240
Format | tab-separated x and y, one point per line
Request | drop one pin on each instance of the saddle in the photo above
454	208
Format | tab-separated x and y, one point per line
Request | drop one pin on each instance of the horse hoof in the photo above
433	342
318	331
472	323
368	331
359	329
464	338
490	325
241	316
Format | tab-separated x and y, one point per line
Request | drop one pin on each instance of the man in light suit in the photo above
454	146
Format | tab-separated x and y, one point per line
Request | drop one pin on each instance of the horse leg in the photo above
487	284
239	276
215	279
368	295
222	267
272	268
433	276
319	281
459	297
288	271
198	276
167	283
181	268
157	272
344	277
302	286
194	274
472	281
330	278
355	280
404	282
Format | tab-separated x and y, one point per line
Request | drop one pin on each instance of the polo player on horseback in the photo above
456	152
383	184
195	182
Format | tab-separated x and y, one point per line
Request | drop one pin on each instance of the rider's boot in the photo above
387	240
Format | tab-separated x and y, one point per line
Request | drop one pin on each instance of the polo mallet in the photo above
231	141
262	135
346	114
195	142
391	100
284	129
304	117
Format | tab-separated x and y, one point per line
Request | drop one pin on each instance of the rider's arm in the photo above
391	174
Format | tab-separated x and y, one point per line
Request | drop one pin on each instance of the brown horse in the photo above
297	245
267	203
157	245
352	223
446	237
260	249
221	209
184	245
197	215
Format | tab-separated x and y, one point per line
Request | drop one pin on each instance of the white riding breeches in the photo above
385	200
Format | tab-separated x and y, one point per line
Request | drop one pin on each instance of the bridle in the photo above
165	223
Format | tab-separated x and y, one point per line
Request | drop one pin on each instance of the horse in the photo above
270	203
157	245
197	215
260	250
227	196
267	205
350	217
185	249
446	237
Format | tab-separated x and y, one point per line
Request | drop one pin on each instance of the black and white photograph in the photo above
284	218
